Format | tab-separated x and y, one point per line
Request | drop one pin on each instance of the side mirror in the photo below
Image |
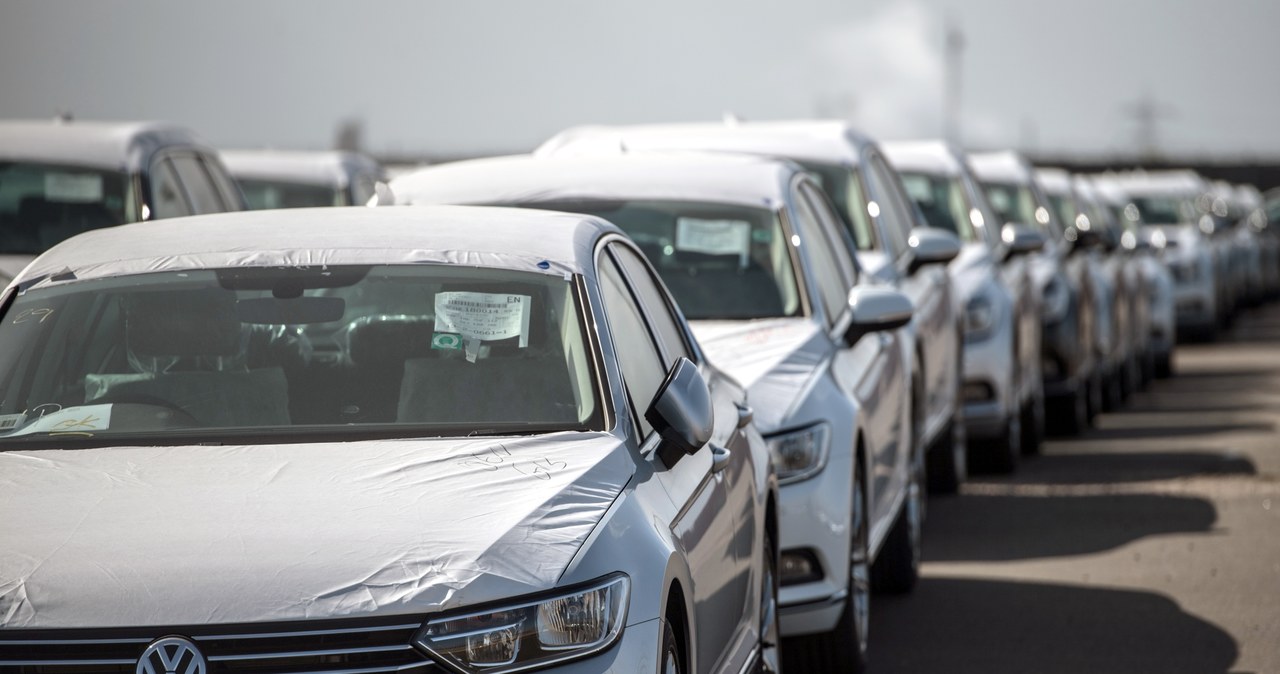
932	246
1086	238
681	412
875	310
1021	240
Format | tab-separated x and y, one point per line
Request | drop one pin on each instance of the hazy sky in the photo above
462	76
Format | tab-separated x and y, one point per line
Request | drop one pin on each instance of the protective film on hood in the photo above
119	537
775	359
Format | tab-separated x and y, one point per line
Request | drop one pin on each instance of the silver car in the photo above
1003	388
751	251
882	227
481	440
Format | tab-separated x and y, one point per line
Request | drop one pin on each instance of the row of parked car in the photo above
656	398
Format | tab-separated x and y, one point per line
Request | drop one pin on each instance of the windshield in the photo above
42	204
842	186
1017	204
262	194
943	203
720	262
1164	210
274	355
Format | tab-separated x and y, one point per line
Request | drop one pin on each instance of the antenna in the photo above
1147	113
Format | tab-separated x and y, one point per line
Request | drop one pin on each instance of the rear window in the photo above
275	355
262	194
44	204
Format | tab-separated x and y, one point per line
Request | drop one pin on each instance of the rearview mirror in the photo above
874	310
681	412
932	246
1021	240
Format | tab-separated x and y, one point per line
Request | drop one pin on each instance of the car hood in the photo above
1183	241
774	358
120	537
11	266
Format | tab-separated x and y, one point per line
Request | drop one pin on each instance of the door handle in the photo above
745	415
720	458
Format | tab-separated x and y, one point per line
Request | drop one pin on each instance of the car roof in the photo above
1179	182
1053	180
98	144
1005	165
935	157
521	239
819	141
310	167
668	176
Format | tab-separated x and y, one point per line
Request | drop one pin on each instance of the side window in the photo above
819	251
830	222
199	186
895	215
167	199
227	187
664	323
638	356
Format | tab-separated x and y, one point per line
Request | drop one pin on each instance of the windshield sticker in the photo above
83	419
446	341
714	237
73	187
9	422
480	317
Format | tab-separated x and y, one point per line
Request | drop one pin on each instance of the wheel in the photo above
947	464
843	650
1095	397
670	650
770	660
1113	390
1033	426
1164	365
1069	415
898	566
1001	455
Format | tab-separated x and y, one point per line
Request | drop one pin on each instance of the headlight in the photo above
1056	301
979	317
534	634
801	454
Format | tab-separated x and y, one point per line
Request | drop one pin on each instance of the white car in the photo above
1003	388
882	227
1069	364
373	440
751	250
1166	202
297	179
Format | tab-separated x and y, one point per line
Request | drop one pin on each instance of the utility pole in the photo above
1147	113
954	53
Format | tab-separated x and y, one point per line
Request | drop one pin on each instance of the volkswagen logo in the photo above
172	655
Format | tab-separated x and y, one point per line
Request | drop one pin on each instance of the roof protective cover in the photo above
674	176
820	141
101	144
499	237
934	157
1005	166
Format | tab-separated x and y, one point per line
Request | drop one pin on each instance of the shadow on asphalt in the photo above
1132	467
1175	431
1003	528
974	626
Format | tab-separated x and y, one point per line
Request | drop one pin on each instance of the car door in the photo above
872	370
648	339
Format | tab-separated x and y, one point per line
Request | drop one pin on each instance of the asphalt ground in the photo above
1150	543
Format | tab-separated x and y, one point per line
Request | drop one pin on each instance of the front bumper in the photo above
1064	360
988	393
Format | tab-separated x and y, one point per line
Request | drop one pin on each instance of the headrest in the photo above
182	323
388	340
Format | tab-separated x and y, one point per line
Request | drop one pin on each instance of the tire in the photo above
770	660
1033	426
897	568
1068	415
843	650
1113	390
947	464
1094	399
1001	455
1164	365
670	651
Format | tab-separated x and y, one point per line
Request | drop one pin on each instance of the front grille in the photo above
367	646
